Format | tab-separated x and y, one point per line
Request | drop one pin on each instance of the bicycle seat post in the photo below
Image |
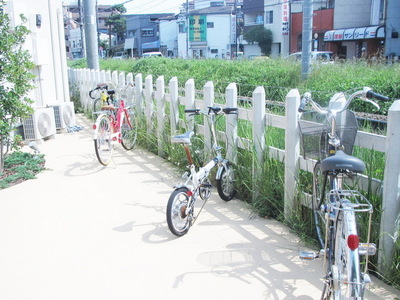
188	154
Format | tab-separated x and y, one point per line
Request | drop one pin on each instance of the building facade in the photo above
352	29
74	33
274	16
207	33
143	33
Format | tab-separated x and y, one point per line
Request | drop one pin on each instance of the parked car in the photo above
152	54
120	55
316	56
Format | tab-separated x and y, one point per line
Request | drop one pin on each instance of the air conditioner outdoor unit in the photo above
40	125
64	115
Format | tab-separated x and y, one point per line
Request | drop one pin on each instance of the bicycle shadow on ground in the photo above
267	253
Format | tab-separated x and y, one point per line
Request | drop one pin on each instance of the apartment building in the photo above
143	33
210	33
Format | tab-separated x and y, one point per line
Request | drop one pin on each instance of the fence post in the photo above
148	94
390	219
108	76
258	136
174	112
114	78
139	93
160	97
208	92
129	90
190	101
292	151
86	88
231	124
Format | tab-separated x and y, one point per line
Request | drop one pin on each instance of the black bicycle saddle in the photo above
342	161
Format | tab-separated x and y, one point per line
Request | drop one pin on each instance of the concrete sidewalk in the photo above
83	231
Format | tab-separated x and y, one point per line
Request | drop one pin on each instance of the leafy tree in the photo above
116	22
258	34
15	78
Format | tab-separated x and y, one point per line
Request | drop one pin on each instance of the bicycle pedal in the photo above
308	255
206	185
367	249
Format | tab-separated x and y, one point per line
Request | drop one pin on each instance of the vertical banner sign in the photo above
198	29
285	17
233	29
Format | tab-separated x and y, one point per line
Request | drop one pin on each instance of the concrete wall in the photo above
46	43
352	13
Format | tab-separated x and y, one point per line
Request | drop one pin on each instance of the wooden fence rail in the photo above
150	98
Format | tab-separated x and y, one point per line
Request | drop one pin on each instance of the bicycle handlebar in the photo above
366	94
216	110
372	95
105	86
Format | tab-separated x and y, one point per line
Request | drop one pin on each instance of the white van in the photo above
316	56
152	54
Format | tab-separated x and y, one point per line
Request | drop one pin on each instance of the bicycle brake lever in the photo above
373	103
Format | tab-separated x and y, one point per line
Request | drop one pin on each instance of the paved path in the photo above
81	231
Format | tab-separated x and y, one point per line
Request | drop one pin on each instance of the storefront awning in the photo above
371	32
129	44
151	45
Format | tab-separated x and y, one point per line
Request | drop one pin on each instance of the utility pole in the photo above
90	24
81	29
306	39
236	30
187	28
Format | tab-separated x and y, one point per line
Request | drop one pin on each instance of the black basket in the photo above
314	130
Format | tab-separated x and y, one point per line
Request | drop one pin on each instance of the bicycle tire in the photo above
346	261
102	140
178	220
225	185
97	104
129	131
321	186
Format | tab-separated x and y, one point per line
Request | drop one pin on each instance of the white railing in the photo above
151	97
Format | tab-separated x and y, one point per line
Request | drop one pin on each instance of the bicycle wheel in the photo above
179	217
97	104
320	188
225	186
129	131
102	140
347	278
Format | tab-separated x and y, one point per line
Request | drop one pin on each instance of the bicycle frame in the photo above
116	117
181	204
195	179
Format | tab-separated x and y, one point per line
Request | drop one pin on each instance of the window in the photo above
147	32
269	17
210	24
214	51
182	28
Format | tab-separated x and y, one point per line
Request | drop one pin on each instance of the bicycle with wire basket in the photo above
116	123
181	204
336	209
102	97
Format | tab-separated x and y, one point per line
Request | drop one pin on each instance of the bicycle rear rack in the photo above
350	200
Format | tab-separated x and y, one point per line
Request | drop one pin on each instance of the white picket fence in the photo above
150	97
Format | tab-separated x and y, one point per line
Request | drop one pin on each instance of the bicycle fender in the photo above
220	168
97	123
179	186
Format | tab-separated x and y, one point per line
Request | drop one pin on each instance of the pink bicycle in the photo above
116	123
